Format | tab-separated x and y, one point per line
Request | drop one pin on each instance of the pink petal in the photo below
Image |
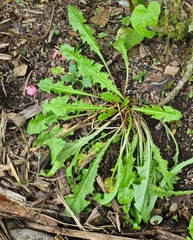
63	58
55	54
31	90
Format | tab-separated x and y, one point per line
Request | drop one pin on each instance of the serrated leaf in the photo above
71	148
110	97
93	71
70	52
102	34
142	17
57	106
57	70
56	145
41	123
61	107
88	69
163	167
44	135
86	82
47	85
78	202
167	114
106	114
77	22
125	195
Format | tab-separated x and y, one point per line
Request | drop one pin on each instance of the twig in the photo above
174	92
70	211
76	233
26	82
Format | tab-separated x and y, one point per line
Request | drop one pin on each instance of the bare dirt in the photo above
20	168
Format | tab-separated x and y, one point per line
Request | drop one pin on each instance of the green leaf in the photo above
44	135
190	227
41	123
141	190
142	17
110	97
125	21
57	70
177	169
104	115
167	114
71	148
119	45
86	82
77	21
56	145
61	107
102	34
78	202
163	167
130	37
88	69
47	85
125	195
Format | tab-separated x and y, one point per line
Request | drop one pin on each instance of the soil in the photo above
31	19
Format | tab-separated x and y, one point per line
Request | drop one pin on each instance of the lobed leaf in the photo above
61	107
77	22
77	203
167	114
47	85
89	69
44	135
163	167
56	145
41	123
71	148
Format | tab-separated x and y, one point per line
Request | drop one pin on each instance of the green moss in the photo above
175	22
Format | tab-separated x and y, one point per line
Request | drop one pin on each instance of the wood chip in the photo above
4	56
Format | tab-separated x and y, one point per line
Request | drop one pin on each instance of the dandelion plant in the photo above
140	175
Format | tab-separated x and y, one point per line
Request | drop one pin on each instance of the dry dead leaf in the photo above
20	71
116	11
154	77
101	16
170	70
3	168
12	196
4	56
142	51
174	63
4	45
18	119
72	33
154	67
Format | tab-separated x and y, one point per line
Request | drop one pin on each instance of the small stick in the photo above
174	92
3	87
26	82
